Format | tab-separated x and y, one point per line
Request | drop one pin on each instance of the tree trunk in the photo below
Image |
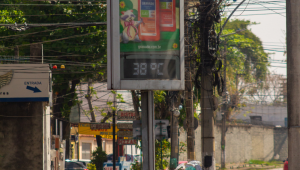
89	99
136	104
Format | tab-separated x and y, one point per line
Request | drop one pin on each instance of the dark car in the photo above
70	165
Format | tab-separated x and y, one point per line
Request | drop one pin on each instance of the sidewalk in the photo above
250	167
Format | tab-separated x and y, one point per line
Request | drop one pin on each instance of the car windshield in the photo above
74	165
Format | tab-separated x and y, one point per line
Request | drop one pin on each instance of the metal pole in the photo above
148	138
161	158
114	134
78	147
174	132
78	135
293	81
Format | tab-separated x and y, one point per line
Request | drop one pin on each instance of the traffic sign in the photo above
161	129
24	82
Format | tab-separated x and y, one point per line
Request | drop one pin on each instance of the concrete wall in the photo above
21	136
243	143
281	143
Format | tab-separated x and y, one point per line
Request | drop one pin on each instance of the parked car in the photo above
70	165
83	161
286	165
129	158
109	157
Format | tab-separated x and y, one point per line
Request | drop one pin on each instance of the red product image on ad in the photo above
168	15
149	13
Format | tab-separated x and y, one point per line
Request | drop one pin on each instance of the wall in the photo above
243	142
281	143
21	136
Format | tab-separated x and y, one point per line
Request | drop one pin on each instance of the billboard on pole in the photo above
145	44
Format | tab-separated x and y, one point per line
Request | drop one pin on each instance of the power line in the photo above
89	4
54	14
42	42
56	24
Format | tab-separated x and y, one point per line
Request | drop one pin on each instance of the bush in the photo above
91	167
99	157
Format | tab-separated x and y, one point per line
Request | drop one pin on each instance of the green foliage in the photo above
245	57
99	157
136	165
91	167
245	53
159	96
83	56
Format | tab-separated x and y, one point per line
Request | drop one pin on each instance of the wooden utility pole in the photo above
293	81
189	90
16	58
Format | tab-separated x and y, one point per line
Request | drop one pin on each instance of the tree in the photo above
268	91
246	60
82	49
98	158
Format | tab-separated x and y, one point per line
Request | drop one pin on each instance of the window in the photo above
86	151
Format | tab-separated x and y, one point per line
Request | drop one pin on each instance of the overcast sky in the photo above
271	28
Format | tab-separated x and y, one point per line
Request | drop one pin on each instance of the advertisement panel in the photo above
144	45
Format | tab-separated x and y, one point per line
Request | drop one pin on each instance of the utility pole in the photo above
174	129
207	116
16	58
293	81
223	135
189	90
36	53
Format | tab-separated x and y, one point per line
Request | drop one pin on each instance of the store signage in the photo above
126	115
127	142
125	134
96	126
124	125
85	128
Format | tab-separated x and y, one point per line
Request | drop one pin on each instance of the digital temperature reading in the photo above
150	69
141	68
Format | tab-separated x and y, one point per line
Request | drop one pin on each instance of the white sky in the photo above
271	30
